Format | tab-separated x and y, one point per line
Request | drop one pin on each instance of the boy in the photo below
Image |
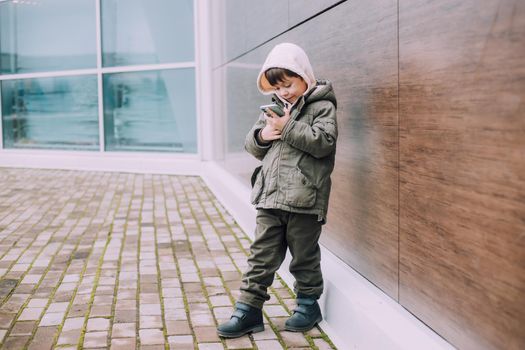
290	191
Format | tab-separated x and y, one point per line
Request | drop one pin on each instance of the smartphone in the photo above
273	107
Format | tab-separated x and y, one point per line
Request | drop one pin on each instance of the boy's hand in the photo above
268	133
276	122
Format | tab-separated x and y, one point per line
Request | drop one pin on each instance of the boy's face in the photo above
291	88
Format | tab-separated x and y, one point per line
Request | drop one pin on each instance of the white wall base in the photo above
142	163
358	315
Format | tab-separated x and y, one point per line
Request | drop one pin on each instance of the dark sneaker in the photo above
305	316
245	319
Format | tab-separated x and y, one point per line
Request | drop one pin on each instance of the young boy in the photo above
290	191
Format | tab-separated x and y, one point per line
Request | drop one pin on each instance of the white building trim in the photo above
100	92
134	162
1	121
205	123
93	71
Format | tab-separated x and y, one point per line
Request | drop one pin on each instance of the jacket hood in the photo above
323	91
288	56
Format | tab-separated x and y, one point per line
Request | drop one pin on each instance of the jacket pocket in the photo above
300	192
254	175
257	185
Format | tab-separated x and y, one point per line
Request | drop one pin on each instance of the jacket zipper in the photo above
278	172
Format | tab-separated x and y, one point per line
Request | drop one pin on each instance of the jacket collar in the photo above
297	105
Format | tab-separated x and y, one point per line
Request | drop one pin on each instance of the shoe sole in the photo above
256	329
303	329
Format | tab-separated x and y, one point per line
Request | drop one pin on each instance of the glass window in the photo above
51	113
138	32
47	35
150	111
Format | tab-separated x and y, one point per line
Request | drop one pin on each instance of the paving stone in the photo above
239	343
180	339
178	327
23	328
97	324
57	307
100	311
73	323
151	336
43	339
221	300
206	334
223	312
275	311
314	332
95	339
32	313
123	330
78	310
126	305
322	344
69	337
149	298
37	302
175	314
172	292
52	319
202	319
292	339
123	343
125	316
115	235
210	346
267	334
103	300
279	322
150	310
174	303
15	343
32	279
151	347
268	345
150	322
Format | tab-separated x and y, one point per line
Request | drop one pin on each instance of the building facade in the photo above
424	242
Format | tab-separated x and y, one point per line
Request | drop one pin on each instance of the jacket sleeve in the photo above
318	139
251	145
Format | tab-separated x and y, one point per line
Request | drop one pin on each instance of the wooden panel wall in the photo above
362	223
462	169
358	53
428	199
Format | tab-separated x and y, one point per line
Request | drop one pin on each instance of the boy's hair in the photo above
278	75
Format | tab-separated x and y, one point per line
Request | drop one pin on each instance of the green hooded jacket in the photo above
295	173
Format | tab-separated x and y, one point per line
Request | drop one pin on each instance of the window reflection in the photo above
143	111
146	32
50	113
150	111
47	35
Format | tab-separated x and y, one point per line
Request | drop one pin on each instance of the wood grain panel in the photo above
300	10
234	23
355	46
362	225
462	169
264	20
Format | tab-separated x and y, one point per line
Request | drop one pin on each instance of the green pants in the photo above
276	231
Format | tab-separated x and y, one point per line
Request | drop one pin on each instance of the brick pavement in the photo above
97	260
